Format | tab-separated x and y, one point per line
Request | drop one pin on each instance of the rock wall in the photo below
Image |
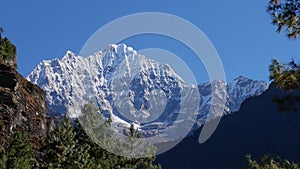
22	107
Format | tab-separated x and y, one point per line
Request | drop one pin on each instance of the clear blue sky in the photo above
240	30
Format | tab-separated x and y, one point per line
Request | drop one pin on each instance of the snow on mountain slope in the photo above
242	88
234	93
118	79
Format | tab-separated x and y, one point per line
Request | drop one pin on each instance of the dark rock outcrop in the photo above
22	107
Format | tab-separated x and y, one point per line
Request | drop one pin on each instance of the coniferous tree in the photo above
287	77
3	158
267	162
96	131
99	130
140	163
18	152
7	49
63	150
1	31
286	15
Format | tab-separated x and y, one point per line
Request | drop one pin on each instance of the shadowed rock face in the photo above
22	107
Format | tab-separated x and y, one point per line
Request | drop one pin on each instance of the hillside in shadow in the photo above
258	128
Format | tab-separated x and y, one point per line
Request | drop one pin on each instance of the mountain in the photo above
234	93
22	107
258	128
129	87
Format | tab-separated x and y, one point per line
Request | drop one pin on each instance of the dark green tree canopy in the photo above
7	49
96	133
1	31
286	76
285	15
17	152
267	162
63	150
8	52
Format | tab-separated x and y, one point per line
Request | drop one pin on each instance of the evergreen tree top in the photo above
1	31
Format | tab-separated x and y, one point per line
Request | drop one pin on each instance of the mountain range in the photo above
130	88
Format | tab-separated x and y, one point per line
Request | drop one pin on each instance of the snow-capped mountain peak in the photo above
69	55
119	78
242	88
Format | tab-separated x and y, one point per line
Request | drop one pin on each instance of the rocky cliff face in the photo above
22	107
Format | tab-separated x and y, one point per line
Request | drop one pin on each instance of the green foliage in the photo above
97	133
93	121
7	50
134	144
94	126
64	151
1	31
286	15
17	153
267	162
133	133
287	77
3	158
68	146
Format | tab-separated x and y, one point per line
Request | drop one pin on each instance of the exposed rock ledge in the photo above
22	107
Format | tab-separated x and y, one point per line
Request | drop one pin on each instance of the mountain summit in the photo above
118	78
